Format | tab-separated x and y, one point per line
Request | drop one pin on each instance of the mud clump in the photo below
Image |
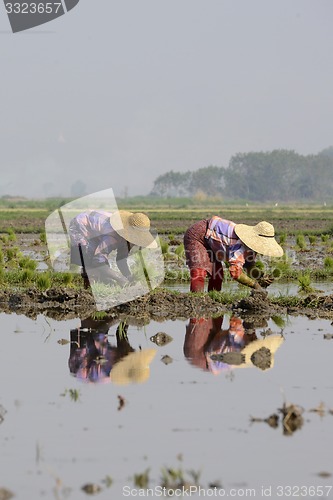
292	418
262	358
257	301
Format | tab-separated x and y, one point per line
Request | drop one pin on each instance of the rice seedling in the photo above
312	239
67	278
180	252
11	235
325	238
5	239
42	237
11	253
281	268
142	480
27	263
74	394
99	315
27	275
328	262
43	281
304	282
300	241
164	247
283	239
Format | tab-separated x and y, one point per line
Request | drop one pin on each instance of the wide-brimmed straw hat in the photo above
259	238
260	352
134	227
134	368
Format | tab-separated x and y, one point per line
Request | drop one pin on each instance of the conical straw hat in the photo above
260	238
134	368
268	345
134	227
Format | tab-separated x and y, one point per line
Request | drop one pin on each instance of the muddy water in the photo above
52	444
277	288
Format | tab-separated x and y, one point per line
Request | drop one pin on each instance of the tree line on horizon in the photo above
279	175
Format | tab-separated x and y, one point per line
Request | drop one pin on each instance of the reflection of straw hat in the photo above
134	227
134	368
259	238
260	353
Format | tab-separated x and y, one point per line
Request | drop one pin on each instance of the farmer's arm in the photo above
236	270
121	259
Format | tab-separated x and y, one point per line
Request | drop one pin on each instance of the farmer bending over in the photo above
94	235
210	242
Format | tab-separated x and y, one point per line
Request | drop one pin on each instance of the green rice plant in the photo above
74	394
142	480
11	235
43	281
27	275
27	263
42	237
300	241
283	239
99	315
2	258
228	296
325	238
67	278
279	321
328	262
5	239
180	252
281	268
329	248
2	274
260	265
304	282
312	239
11	253
164	247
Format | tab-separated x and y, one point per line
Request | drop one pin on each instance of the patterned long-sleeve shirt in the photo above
227	247
98	239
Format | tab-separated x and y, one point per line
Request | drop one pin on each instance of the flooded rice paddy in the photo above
207	397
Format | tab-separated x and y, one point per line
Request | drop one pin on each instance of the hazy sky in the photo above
115	93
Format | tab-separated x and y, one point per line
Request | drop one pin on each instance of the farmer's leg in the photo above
197	280
216	278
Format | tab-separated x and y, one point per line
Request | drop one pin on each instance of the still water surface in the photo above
52	445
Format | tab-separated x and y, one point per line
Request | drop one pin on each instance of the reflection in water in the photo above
214	349
91	354
94	359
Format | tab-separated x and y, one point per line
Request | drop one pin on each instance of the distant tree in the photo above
209	180
172	184
279	175
327	152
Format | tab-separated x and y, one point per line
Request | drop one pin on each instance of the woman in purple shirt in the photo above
210	242
94	235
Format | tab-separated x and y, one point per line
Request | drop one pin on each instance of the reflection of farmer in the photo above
91	355
210	348
208	243
96	234
204	337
